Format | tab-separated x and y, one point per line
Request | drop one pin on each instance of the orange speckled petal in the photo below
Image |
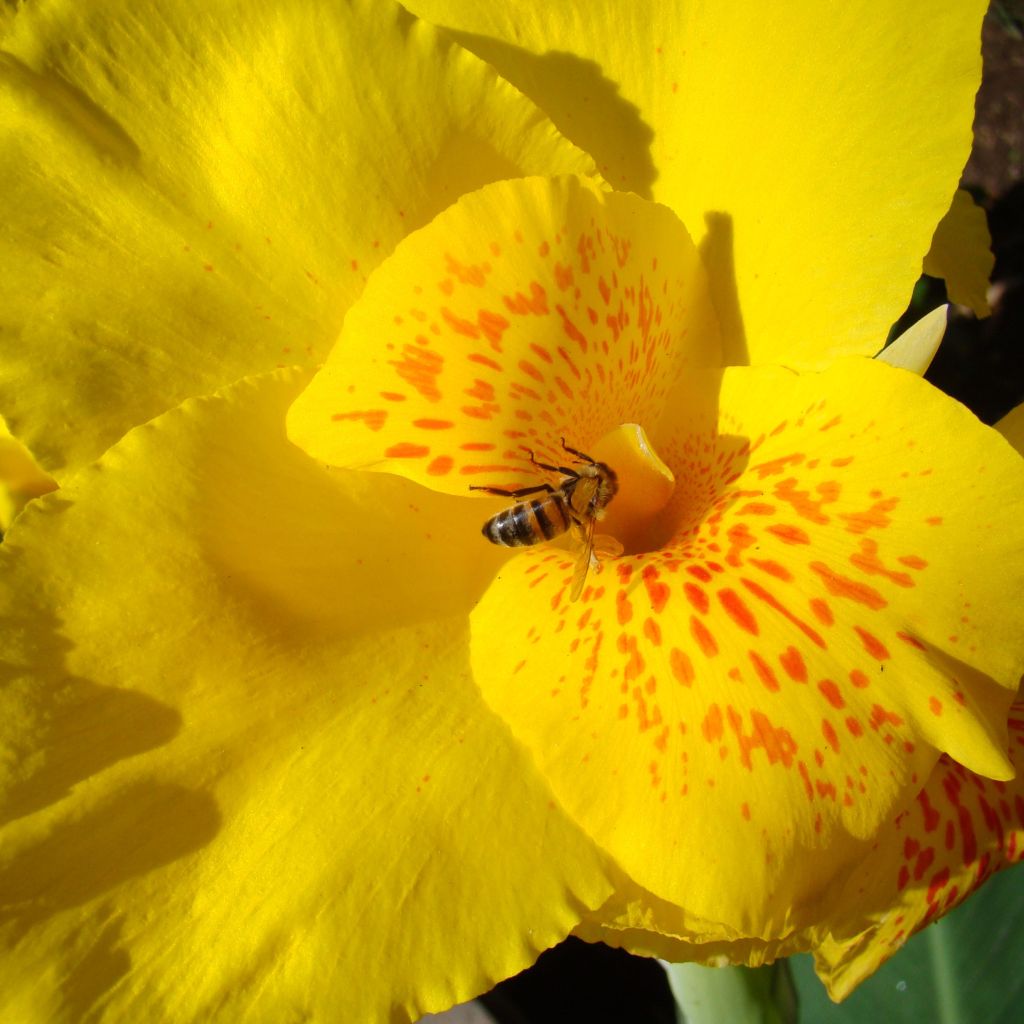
782	672
961	830
530	310
961	253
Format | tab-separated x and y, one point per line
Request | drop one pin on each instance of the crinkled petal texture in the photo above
245	771
811	152
200	193
785	649
961	830
961	254
530	310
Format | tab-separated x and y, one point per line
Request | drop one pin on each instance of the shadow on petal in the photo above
142	828
583	104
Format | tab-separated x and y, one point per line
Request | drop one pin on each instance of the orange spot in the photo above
842	586
756	508
801	501
420	367
712	727
867	561
405	450
531	371
879	715
493	325
441	465
830	735
563	276
775	466
738	611
764	672
859	679
697	597
780	572
788	534
478	446
821	611
682	667
705	641
872	644
374	418
458	325
745	811
875	518
657	592
854	726
912	561
830	691
763	595
740	538
777	742
652	631
393	396
472	274
623	607
433	424
793	662
571	330
935	705
477	357
537	303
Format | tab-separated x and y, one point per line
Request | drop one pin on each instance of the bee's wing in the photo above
585	538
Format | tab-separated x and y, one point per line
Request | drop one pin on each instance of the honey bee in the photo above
577	504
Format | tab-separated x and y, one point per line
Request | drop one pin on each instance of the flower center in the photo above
646	486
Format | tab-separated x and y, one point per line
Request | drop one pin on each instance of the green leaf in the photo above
965	969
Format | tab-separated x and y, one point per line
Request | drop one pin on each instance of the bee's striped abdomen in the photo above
529	522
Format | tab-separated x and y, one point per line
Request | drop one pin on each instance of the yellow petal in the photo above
786	669
529	311
1011	426
915	348
21	479
196	196
811	152
960	831
245	771
961	254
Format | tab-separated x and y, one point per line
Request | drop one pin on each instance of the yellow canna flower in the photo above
250	764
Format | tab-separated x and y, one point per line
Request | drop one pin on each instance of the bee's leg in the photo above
564	470
575	451
521	493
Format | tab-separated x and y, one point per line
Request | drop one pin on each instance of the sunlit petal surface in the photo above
810	150
961	254
786	647
244	771
529	311
200	192
791	659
